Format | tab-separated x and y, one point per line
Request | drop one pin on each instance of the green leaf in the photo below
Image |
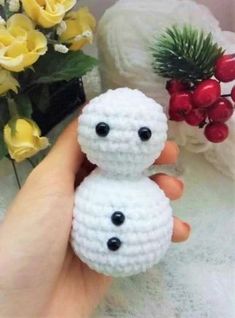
24	105
55	66
186	54
3	148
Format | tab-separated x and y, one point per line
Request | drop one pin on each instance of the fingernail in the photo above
187	231
187	226
175	149
181	183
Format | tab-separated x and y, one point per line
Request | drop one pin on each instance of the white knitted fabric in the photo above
119	185
126	33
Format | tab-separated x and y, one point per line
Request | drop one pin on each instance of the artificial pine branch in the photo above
186	54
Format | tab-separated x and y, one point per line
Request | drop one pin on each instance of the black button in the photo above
144	133
114	244
102	129
118	218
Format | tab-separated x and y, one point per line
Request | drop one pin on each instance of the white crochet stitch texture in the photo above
126	111
119	185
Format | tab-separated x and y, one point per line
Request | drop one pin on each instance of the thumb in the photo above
66	155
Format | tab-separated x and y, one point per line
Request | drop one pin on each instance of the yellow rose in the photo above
20	44
22	137
7	82
47	13
80	26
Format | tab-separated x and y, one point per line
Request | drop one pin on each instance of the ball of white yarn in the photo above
126	33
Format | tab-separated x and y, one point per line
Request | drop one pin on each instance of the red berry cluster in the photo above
202	104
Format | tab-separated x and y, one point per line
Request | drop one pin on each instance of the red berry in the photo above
216	132
195	117
233	93
206	93
225	68
175	116
180	105
175	86
221	110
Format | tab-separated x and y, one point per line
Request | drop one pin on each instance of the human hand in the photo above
39	274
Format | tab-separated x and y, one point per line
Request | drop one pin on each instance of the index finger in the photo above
169	154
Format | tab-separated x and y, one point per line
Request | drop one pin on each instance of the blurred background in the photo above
224	10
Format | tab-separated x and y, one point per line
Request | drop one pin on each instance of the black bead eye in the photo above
102	129
118	218
144	133
114	244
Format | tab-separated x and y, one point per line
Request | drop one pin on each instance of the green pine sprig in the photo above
186	54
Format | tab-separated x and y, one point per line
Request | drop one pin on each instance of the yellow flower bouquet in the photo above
40	55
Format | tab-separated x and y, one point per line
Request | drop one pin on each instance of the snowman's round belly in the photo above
120	227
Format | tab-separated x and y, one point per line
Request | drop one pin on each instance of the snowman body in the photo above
122	221
121	226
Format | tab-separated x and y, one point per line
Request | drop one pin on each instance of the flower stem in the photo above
16	173
12	107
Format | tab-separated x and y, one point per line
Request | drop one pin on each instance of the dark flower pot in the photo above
62	99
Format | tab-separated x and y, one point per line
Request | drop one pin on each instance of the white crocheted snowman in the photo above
122	220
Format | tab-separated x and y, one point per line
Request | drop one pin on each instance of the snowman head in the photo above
122	131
